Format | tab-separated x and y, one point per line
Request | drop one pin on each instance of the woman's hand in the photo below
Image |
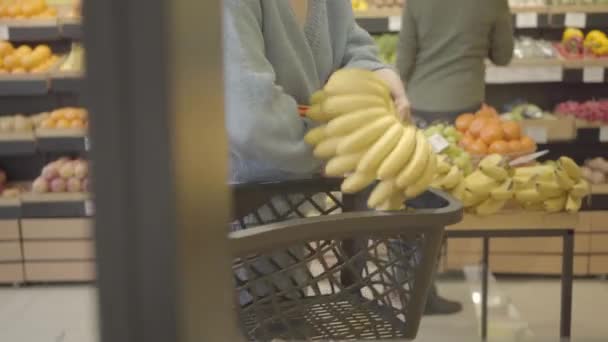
402	103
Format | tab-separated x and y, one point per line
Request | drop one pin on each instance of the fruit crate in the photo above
319	266
577	56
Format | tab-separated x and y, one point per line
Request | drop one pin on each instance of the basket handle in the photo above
342	226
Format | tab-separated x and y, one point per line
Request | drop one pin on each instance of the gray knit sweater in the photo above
271	66
443	46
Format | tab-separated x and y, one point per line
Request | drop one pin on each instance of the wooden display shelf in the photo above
59	271
520	264
550	130
11	273
57	229
518	219
58	250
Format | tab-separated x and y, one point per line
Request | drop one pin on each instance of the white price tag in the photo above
593	74
526	20
394	23
604	134
438	142
4	34
89	208
87	144
576	20
524	74
538	134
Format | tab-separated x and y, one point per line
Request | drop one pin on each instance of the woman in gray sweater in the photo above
442	50
277	53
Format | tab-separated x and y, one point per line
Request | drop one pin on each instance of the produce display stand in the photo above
522	225
362	286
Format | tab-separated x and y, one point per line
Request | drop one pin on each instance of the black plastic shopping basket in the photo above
314	264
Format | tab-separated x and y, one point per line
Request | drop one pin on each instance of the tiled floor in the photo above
66	314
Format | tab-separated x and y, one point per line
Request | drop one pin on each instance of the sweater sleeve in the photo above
408	45
501	50
262	120
361	50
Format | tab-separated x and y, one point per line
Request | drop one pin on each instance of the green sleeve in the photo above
501	50
408	45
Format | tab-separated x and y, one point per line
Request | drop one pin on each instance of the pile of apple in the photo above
454	152
63	175
485	133
591	111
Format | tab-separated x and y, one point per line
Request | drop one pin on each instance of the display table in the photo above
518	224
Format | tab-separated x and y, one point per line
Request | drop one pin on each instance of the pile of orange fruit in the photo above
485	133
26	9
65	118
24	59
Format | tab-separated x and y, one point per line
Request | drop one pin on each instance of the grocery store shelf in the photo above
599	189
55	205
549	71
57	140
10	208
548	17
19	85
17	144
40	30
66	82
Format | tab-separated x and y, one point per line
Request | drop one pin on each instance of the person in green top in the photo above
441	58
442	53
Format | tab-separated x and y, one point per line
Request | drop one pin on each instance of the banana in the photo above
381	193
400	156
342	84
443	164
549	189
414	168
494	166
318	97
539	172
316	114
573	204
489	206
357	182
343	78
315	136
350	122
470	199
327	148
504	191
395	202
366	136
580	189
451	179
528	196
335	106
480	183
556	204
571	168
423	183
341	165
458	191
383	147
563	179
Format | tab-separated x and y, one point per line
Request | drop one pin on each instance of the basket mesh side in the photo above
324	290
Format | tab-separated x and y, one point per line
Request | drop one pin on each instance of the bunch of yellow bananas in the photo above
551	187
362	138
449	177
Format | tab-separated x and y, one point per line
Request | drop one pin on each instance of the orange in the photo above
515	146
3	11
527	144
13	10
23	50
487	111
511	130
478	148
464	121
500	147
19	70
476	126
466	141
491	132
48	123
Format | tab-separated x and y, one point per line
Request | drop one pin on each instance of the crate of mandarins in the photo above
485	133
